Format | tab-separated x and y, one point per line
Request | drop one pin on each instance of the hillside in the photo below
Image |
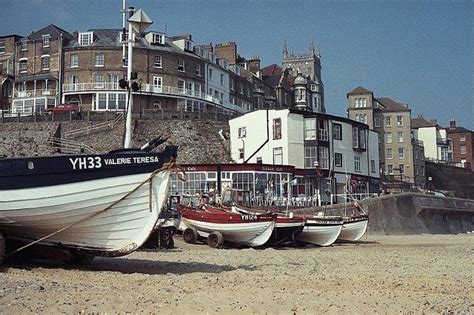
198	140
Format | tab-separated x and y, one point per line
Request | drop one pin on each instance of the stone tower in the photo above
309	65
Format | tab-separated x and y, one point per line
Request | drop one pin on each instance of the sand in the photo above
381	274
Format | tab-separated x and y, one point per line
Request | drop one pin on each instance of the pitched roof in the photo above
421	122
390	105
51	29
271	70
458	129
359	90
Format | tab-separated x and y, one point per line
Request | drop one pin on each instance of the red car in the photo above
64	108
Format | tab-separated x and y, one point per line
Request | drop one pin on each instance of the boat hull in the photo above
353	229
286	230
250	230
107	212
320	233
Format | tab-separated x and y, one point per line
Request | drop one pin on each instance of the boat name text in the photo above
91	162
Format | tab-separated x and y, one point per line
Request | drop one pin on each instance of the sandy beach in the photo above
380	274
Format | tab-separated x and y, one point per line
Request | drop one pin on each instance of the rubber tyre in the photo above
190	235
215	240
2	249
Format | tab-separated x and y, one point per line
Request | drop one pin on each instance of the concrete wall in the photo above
410	213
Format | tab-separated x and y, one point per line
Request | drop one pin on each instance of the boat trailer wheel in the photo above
215	240
190	235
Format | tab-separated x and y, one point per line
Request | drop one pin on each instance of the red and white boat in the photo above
219	225
321	231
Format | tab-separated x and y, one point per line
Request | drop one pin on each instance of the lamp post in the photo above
318	177
430	179
137	23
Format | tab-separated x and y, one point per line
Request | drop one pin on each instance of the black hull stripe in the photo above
24	173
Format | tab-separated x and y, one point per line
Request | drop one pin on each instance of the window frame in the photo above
181	65
74	60
99	60
158	62
277	128
277	152
337	134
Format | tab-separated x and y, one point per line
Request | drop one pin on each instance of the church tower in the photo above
309	65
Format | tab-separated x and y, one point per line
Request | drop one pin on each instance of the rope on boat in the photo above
166	166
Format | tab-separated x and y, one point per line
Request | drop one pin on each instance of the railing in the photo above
34	93
70	146
93	129
417	142
148	88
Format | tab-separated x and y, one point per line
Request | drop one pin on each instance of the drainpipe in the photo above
263	144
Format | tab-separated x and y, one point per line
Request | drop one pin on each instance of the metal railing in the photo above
147	88
64	146
106	125
34	93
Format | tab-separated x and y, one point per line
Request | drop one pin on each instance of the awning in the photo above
38	77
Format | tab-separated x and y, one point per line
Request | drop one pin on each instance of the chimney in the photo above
452	124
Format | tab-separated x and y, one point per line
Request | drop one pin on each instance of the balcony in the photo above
34	93
152	90
417	142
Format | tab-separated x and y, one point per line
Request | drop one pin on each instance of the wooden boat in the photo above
321	231
219	225
353	228
287	226
99	205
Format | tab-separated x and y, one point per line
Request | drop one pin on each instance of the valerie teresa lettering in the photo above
82	163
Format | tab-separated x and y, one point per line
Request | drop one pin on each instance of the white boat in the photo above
353	228
218	225
100	205
321	231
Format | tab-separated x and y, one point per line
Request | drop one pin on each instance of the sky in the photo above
415	52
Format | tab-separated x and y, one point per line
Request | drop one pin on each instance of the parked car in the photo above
65	108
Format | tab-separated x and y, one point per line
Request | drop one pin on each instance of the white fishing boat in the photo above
353	228
104	205
321	231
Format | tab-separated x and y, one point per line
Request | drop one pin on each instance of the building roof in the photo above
111	38
51	29
421	122
389	105
359	90
458	129
271	70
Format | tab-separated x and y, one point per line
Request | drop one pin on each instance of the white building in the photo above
434	138
325	150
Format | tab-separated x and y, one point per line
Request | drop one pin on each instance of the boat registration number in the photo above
248	217
91	162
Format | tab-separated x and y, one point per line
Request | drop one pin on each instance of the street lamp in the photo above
430	179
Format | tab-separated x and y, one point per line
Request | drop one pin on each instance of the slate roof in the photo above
111	38
421	122
359	90
458	130
390	105
51	29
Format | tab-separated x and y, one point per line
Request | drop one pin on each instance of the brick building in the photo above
462	145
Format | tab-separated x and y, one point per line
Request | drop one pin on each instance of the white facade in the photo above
331	143
435	142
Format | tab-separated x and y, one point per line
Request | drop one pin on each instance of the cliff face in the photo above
199	142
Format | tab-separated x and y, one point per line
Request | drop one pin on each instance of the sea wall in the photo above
414	213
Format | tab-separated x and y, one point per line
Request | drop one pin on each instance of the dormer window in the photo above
85	39
187	45
156	38
46	39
